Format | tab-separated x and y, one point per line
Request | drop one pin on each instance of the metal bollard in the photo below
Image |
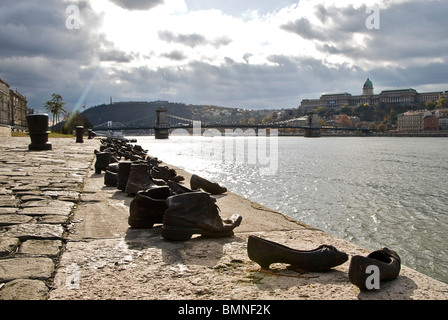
79	134
38	131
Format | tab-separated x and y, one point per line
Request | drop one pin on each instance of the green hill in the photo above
141	114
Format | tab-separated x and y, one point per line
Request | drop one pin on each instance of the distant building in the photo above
13	107
399	96
422	120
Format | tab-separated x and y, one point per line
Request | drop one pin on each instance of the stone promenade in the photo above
65	236
38	193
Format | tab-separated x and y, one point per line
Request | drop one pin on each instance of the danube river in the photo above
371	191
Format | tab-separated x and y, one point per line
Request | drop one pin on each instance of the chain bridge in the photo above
162	123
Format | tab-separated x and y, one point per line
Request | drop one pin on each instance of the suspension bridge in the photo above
162	123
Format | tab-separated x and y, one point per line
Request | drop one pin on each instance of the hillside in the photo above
143	113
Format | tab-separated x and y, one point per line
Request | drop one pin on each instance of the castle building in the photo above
336	101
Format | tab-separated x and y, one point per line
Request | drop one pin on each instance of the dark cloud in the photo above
305	29
39	55
176	55
338	24
191	40
221	41
138	4
409	33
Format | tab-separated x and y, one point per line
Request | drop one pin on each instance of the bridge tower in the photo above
313	128
161	128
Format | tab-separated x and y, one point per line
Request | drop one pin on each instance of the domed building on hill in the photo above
407	96
367	89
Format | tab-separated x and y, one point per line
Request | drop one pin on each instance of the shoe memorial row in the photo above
159	198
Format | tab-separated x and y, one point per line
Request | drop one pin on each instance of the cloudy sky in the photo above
248	54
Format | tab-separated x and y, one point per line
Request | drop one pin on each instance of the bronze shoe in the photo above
197	182
265	252
148	207
195	213
387	261
139	179
103	159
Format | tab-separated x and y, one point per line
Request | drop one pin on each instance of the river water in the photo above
371	191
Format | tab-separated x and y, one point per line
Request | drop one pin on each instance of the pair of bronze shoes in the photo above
182	212
265	252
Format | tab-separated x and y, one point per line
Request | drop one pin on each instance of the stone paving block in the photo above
49	203
24	289
43	211
11	219
34	231
5	191
33	197
8	245
9	210
9	203
49	248
26	268
54	219
62	194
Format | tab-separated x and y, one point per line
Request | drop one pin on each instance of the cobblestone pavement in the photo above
38	192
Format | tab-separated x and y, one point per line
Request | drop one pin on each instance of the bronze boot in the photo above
195	213
139	179
265	252
196	182
148	207
124	168
103	159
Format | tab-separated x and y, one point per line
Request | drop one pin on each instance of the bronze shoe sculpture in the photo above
265	252
110	179
197	182
139	179
165	173
177	188
195	213
103	159
387	261
148	207
124	168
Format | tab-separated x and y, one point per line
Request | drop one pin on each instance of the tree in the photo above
346	109
441	103
345	120
381	127
430	105
266	119
74	120
55	106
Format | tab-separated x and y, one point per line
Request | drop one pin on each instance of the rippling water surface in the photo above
372	191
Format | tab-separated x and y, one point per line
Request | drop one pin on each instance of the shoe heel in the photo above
176	234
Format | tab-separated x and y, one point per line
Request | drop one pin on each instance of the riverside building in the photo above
13	107
423	121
